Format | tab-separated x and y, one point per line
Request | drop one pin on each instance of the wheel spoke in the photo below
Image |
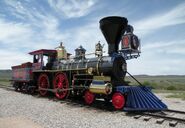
60	78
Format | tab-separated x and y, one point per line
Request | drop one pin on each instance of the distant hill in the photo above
166	82
5	74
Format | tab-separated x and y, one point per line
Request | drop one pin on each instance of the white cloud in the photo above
18	10
24	35
164	57
87	35
168	47
156	65
39	30
11	32
174	16
13	57
72	8
36	31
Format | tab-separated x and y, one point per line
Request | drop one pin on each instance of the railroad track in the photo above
172	116
7	87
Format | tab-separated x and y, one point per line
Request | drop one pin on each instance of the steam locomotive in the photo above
98	77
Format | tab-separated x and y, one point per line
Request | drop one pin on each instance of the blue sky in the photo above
27	25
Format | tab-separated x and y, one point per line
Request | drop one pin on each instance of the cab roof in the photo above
43	51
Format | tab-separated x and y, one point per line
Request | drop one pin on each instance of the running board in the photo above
140	98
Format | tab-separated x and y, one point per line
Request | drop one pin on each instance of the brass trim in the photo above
102	78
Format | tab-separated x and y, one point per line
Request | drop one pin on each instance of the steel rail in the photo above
174	111
6	87
165	117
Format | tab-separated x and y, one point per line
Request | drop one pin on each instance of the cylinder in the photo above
100	87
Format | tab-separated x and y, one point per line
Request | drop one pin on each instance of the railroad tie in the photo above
173	123
147	118
159	121
137	116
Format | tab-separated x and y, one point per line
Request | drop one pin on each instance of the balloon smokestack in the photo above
112	28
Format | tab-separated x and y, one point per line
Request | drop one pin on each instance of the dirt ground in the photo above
17	122
25	111
172	103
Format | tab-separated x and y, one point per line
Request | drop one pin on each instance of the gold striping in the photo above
102	78
59	70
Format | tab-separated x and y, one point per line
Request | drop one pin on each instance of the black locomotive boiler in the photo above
98	77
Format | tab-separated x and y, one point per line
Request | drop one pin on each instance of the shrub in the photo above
146	83
171	88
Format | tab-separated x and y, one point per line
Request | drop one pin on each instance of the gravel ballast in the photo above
50	114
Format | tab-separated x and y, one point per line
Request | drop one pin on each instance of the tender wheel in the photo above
43	82
61	82
89	97
21	87
118	100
